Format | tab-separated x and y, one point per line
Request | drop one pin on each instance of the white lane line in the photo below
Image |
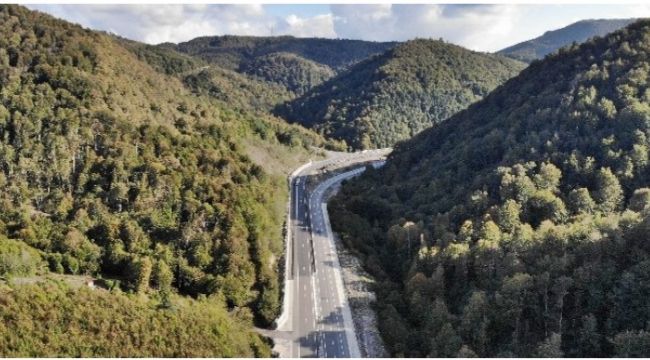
346	315
321	226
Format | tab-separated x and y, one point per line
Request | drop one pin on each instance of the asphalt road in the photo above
318	318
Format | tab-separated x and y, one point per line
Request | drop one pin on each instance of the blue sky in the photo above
478	27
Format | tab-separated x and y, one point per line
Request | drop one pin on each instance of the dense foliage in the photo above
236	89
551	41
295	73
519	226
163	58
394	96
296	64
235	52
52	319
111	167
18	258
251	97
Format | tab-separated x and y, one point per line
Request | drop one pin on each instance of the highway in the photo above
317	321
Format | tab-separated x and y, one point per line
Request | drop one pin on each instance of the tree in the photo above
446	343
135	239
632	344
162	276
393	328
580	201
466	352
474	322
609	193
517	186
588	337
17	258
490	232
561	289
551	347
548	177
141	273
512	299
509	215
640	200
544	205
466	231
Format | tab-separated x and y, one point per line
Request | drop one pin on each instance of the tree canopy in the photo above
112	167
397	94
530	214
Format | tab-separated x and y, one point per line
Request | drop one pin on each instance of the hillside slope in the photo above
550	41
49	319
297	64
111	167
518	227
295	73
393	96
234	51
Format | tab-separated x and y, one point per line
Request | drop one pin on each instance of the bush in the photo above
18	258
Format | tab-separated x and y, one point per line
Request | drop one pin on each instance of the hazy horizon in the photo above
477	27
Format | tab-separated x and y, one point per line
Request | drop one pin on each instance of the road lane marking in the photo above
320	224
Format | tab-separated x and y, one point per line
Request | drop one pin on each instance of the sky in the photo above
477	27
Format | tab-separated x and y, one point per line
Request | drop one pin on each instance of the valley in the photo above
316	320
258	196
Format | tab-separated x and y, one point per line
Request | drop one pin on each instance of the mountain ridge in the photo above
552	40
295	63
393	96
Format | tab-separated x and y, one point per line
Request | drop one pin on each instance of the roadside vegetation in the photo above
52	319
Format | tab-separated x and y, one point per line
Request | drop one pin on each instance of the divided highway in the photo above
317	321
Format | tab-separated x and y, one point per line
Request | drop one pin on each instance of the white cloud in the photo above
479	27
317	26
176	23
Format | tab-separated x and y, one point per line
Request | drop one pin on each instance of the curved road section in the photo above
316	319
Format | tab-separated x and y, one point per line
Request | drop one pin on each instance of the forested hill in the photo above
295	63
550	41
235	89
519	226
395	95
111	168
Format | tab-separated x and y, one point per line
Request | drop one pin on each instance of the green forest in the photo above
112	166
519	227
511	220
83	322
234	52
395	95
293	72
295	64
